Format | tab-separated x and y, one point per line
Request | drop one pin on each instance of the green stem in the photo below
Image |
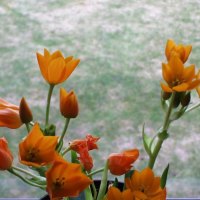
103	185
27	127
48	104
60	143
166	124
26	180
95	172
65	151
192	107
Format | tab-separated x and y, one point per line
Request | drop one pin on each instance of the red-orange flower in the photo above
120	163
54	67
9	115
82	147
68	104
36	149
178	77
65	179
115	194
180	50
6	157
145	185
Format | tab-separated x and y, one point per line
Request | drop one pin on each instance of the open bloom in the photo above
180	50
68	104
9	115
178	77
54	67
6	157
145	185
121	163
115	194
36	149
65	179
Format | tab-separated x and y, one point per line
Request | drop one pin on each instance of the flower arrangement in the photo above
43	150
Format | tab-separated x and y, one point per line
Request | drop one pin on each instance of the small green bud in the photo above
166	95
185	100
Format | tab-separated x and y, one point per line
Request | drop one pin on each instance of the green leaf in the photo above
164	177
74	158
146	142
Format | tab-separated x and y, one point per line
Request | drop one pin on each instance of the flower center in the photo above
59	183
32	154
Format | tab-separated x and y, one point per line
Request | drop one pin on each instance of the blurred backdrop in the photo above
121	46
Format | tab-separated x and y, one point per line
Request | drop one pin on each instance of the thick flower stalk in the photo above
145	185
65	179
54	67
6	157
9	115
36	149
121	163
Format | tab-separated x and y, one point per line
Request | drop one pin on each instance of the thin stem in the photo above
65	151
28	173
103	185
160	140
60	143
26	180
27	127
192	107
48	104
95	172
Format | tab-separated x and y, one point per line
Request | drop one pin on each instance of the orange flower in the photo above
25	112
36	149
178	77
6	157
180	50
120	163
9	115
54	67
198	88
65	179
115	194
145	186
68	104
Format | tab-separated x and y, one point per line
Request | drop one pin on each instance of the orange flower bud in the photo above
120	163
6	157
54	67
25	112
68	104
9	115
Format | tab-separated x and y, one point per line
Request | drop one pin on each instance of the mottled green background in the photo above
121	47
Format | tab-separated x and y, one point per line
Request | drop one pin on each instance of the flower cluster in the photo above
43	150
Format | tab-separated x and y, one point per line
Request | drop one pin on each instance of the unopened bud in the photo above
25	112
177	99
166	95
186	100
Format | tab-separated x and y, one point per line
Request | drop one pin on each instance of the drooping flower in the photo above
179	50
121	163
91	142
9	115
145	185
54	67
36	149
115	194
6	157
178	77
68	104
80	146
25	112
65	179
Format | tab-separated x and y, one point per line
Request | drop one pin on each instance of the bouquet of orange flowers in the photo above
43	151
